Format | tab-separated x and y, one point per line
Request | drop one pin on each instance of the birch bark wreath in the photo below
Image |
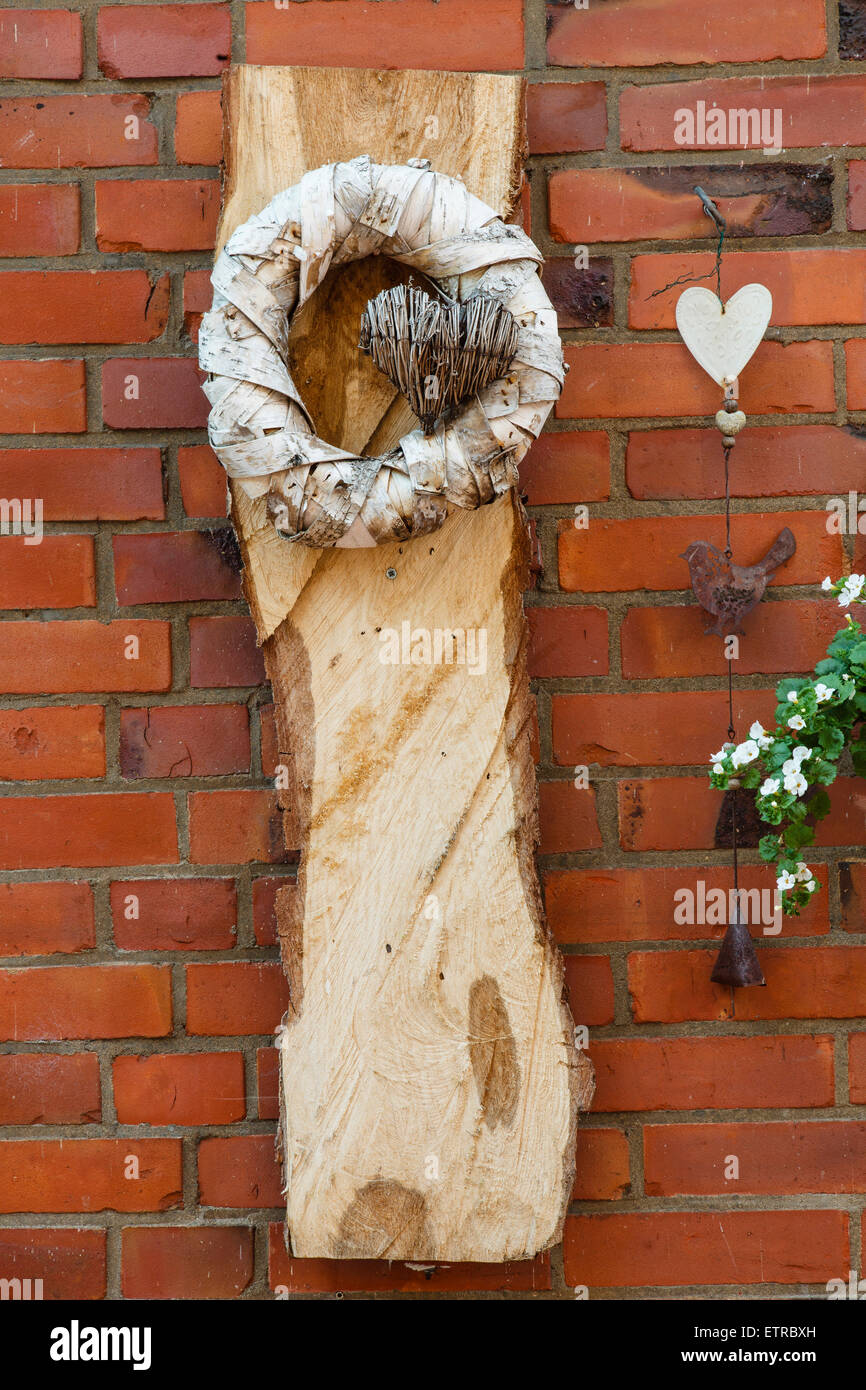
429	1079
259	428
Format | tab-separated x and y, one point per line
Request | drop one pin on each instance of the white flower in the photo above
804	873
790	766
854	584
746	753
813	885
717	757
801	753
760	735
796	722
827	583
785	881
795	782
769	787
718	769
823	692
792	697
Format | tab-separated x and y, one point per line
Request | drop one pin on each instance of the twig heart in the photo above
437	354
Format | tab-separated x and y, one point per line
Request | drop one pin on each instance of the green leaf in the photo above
798	835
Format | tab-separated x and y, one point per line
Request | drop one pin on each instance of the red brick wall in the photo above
139	847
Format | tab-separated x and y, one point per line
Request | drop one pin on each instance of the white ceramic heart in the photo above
723	339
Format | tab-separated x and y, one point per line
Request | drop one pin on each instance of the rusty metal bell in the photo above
736	964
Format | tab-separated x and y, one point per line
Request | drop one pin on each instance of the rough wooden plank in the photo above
429	1080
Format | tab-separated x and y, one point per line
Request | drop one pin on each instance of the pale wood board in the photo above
429	1080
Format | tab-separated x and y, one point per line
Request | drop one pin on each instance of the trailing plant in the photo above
791	766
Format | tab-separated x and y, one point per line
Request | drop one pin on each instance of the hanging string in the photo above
728	445
711	211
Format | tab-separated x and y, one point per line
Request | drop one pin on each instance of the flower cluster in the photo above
790	766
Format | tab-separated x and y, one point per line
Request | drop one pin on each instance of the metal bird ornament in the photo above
728	591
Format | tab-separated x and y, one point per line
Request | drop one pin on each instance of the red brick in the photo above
651	379
184	741
179	914
172	567
808	287
268	1083
223	653
169	394
672	641
67	656
203	481
642	33
156	214
163	40
39	219
646	552
87	484
53	741
83	831
719	1073
567	467
290	1275
816	110
409	34
56	573
857	1068
46	306
567	641
773	1158
857	195
40	918
855	361
180	1088
568	818
70	132
668	813
819	982
265	892
269	741
52	1003
185	1262
45	1088
582	298
71	1263
643	202
589	983
88	1175
237	826
241	1171
769	461
852	894
671	1249
594	905
40	43
846	822
42	397
198	134
602	1173
233	998
650	729
197	298
566	117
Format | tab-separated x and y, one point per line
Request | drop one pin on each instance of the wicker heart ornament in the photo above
437	354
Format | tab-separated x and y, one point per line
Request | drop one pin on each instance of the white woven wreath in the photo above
258	426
